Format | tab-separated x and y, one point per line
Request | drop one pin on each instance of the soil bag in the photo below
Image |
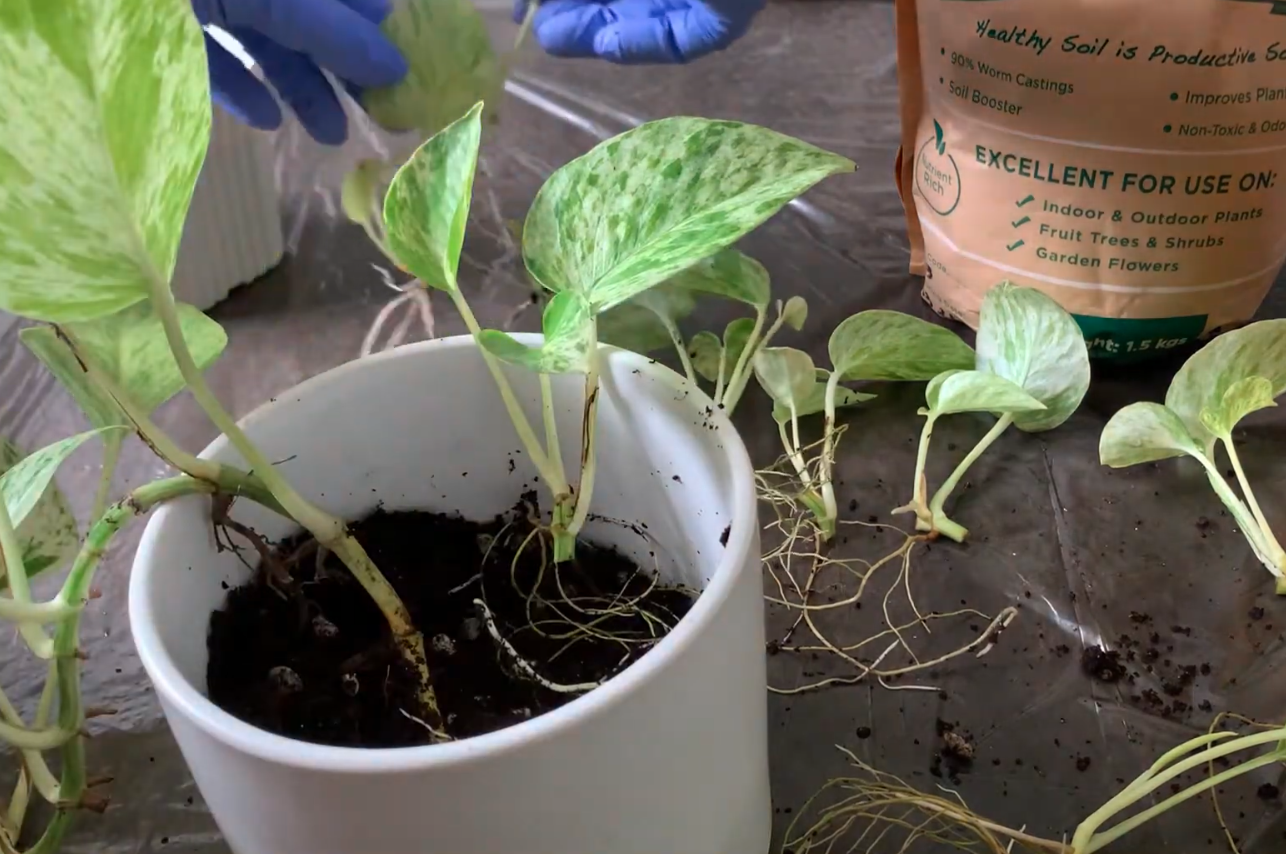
1126	158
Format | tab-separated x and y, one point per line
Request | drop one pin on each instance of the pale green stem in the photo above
1245	520
20	588
1275	552
330	531
677	339
741	372
919	490
553	447
1085	841
793	453
826	472
589	455
941	523
33	762
111	454
555	478
1106	838
36	613
719	381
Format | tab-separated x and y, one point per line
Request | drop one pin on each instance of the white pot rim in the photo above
196	707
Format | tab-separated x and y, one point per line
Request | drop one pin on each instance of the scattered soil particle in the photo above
723	538
956	755
1256	613
864	732
1102	664
1139	617
315	661
1268	792
1082	763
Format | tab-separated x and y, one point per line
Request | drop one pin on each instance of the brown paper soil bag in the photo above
1127	157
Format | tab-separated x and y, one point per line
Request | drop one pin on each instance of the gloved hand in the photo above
292	40
636	32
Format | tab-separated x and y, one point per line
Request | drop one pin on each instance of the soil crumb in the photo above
313	660
1102	664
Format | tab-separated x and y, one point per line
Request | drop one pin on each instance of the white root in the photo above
522	664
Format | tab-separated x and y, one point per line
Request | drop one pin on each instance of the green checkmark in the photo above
1011	247
1029	198
1022	221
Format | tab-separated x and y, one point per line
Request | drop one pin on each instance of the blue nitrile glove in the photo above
292	40
636	32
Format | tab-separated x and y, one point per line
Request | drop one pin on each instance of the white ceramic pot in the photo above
669	757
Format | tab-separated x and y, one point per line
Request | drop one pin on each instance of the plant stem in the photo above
1084	840
35	613
34	769
941	523
920	484
677	339
1275	554
588	457
555	478
111	454
1245	520
719	380
19	587
793	454
741	372
330	531
553	447
826	471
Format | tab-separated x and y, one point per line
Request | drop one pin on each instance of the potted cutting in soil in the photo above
459	653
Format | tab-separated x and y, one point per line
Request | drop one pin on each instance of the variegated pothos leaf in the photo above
104	123
569	338
48	535
451	66
426	208
889	345
646	204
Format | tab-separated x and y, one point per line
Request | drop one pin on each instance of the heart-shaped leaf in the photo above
1024	336
569	337
633	327
48	534
358	193
814	401
786	374
451	65
642	206
977	391
23	484
427	205
1243	397
795	313
1144	433
1257	350
130	348
728	274
104	122
706	352
889	345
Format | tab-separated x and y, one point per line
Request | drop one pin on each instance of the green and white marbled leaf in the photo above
1257	350
1243	397
568	327
643	324
452	66
426	208
814	401
736	335
795	313
1144	433
104	122
889	345
1027	337
729	274
48	535
642	206
977	391
786	374
130	348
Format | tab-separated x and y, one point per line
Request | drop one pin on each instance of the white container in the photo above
232	234
670	757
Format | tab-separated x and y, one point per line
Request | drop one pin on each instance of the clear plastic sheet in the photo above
1141	561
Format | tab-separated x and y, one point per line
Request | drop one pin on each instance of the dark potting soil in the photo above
303	652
